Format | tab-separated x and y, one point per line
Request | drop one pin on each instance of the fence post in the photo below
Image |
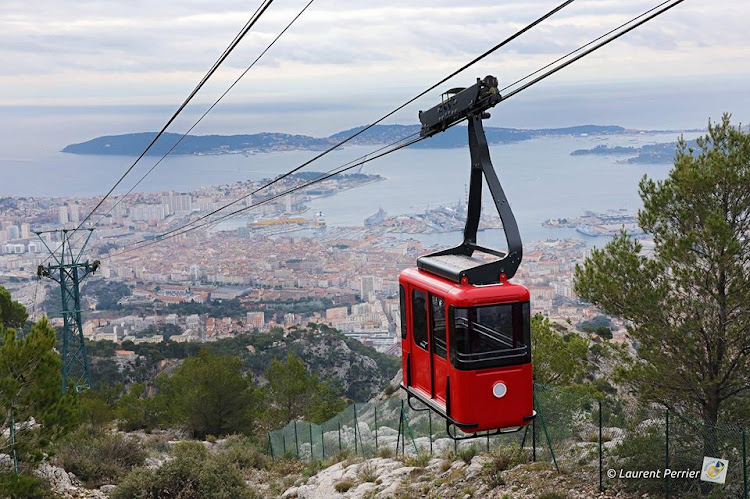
533	440
355	430
322	443
549	443
601	485
744	464
13	441
270	447
376	428
429	416
400	426
339	436
488	441
403	427
296	438
666	455
312	454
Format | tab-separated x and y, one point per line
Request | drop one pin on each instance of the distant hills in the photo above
132	144
647	154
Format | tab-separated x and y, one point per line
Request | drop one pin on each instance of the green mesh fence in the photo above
611	444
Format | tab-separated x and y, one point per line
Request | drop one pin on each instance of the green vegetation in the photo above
30	387
193	472
23	487
600	325
235	307
107	293
687	303
31	399
209	395
558	360
344	485
97	457
12	314
361	383
294	393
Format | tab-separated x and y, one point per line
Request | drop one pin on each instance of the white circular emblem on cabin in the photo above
499	389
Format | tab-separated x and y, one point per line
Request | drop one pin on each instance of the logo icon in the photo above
714	470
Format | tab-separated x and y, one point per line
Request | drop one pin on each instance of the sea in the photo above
540	178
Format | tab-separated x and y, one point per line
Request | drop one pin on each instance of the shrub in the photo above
187	476
643	449
240	451
190	449
157	443
367	473
343	485
500	460
467	453
312	468
23	487
385	452
505	458
99	457
420	460
445	465
553	495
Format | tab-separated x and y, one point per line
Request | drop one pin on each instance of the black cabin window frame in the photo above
439	344
421	336
512	356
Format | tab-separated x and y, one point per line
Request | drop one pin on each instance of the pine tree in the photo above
687	304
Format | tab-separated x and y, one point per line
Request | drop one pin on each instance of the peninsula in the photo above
133	143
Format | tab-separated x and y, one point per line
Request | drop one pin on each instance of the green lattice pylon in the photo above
68	271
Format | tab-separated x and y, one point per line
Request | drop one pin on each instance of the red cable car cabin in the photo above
466	350
465	328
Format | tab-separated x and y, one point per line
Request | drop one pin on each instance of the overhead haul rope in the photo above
631	25
184	135
391	113
251	22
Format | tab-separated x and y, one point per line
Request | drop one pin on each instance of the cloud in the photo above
356	54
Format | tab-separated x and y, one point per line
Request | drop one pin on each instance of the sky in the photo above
87	68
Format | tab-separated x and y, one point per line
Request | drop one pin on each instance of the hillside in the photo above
132	144
359	370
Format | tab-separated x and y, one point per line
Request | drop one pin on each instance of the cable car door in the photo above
421	375
439	349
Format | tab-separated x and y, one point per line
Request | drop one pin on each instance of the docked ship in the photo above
320	220
376	219
589	230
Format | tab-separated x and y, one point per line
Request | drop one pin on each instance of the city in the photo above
281	254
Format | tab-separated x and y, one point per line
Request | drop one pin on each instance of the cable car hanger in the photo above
458	263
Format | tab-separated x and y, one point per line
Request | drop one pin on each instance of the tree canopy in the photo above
12	313
558	360
687	303
209	395
30	392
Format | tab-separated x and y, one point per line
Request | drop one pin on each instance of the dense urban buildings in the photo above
280	253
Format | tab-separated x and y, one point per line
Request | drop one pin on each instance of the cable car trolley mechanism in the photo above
465	328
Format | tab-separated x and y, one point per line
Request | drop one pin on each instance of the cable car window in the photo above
438	326
493	336
419	318
402	298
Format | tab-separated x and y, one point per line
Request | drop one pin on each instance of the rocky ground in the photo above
444	478
490	476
